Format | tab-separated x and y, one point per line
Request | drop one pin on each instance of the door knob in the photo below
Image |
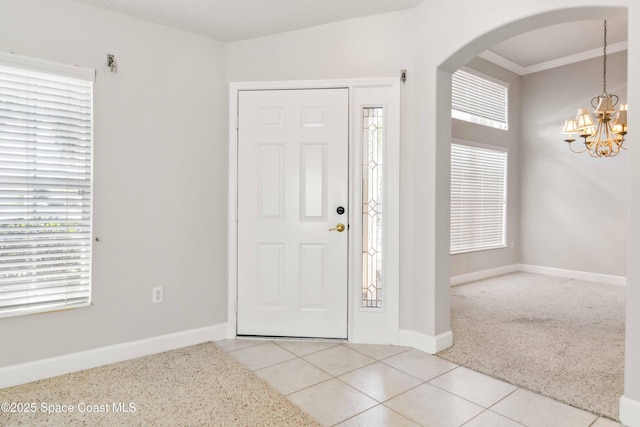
340	228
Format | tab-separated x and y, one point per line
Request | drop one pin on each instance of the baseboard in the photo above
231	329
484	274
52	367
629	412
427	343
549	271
573	274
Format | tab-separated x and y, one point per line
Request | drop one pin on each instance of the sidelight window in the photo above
372	205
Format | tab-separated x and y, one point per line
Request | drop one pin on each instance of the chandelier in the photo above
604	138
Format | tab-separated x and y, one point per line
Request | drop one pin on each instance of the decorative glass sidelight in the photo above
372	205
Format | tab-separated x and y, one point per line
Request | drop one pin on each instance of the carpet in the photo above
195	386
559	337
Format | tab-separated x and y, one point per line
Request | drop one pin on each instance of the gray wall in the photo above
574	207
565	210
509	139
160	138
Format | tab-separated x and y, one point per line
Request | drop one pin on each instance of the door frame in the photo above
364	325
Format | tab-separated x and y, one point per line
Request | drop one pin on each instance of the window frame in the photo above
61	163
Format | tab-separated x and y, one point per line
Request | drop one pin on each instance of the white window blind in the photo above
45	186
478	100
478	198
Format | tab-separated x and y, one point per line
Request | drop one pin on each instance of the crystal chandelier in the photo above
604	138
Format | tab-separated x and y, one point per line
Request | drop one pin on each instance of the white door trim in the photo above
363	324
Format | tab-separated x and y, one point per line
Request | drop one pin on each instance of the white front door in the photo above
293	160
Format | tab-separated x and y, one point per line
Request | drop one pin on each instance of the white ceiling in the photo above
232	20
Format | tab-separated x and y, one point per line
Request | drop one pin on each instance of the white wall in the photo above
574	207
632	325
510	139
377	46
160	153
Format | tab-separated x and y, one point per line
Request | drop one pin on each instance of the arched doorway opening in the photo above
443	93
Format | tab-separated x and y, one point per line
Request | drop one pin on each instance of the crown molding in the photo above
547	65
502	62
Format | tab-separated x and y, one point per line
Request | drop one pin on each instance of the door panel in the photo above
292	176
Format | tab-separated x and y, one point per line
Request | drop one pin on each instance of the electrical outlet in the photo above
157	295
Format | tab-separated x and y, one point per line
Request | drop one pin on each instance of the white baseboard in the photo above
427	343
573	274
549	271
231	329
47	368
484	274
629	412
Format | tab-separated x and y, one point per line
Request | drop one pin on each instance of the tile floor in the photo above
342	384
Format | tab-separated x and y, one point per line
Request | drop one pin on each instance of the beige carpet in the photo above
195	386
559	337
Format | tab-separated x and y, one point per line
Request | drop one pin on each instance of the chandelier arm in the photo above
615	149
615	143
576	151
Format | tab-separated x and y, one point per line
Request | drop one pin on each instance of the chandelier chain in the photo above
604	62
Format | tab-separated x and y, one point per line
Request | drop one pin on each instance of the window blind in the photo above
478	100
478	198
45	188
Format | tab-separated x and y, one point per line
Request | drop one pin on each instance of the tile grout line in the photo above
551	399
369	409
267	366
489	410
430	379
381	402
379	360
502	415
308	354
344	373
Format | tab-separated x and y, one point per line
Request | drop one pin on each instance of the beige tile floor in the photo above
342	384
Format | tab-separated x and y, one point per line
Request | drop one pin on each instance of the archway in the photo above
443	120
